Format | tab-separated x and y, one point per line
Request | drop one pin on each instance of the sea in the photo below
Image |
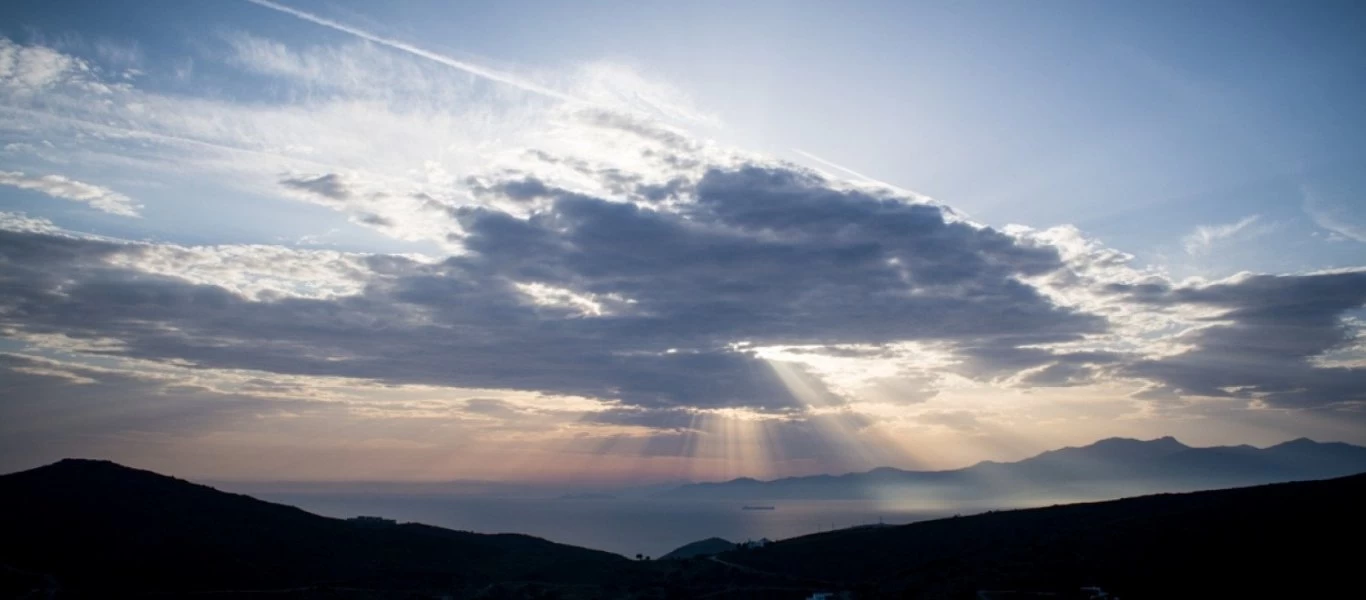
628	527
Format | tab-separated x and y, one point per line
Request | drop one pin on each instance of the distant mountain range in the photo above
1110	468
81	528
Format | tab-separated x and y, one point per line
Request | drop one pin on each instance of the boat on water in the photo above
755	507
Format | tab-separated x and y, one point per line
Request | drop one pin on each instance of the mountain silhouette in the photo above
707	547
82	528
1109	468
95	525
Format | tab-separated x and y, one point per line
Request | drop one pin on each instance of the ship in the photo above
754	507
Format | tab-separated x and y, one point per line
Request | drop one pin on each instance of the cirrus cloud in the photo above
57	186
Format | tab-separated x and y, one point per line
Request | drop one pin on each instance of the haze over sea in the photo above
625	526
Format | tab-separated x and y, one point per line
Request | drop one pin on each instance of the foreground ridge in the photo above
80	527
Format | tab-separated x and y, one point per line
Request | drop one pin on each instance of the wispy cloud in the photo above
1206	237
1333	217
402	133
471	68
57	186
30	69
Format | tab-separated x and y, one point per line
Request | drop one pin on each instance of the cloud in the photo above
32	69
471	68
775	255
55	410
1260	338
585	296
357	128
525	189
646	129
177	417
1206	237
57	186
1059	374
254	272
953	419
28	73
329	185
21	222
397	331
1332	216
1263	338
377	135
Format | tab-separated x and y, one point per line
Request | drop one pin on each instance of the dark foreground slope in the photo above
1293	540
96	529
94	525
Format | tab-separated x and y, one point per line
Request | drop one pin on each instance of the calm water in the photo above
623	526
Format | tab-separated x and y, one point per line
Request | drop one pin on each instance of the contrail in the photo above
918	196
834	166
472	69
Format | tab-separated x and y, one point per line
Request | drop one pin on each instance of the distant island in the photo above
1110	468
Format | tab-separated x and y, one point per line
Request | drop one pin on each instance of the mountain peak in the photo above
87	463
1168	441
1113	449
707	547
1162	444
1165	440
92	466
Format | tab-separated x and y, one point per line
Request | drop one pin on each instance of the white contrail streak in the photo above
873	180
838	167
472	69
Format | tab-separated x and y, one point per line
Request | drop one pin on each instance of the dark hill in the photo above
95	525
707	547
95	529
1292	540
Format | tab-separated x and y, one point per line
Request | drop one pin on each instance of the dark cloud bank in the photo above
758	254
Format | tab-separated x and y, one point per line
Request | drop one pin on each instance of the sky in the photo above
563	242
